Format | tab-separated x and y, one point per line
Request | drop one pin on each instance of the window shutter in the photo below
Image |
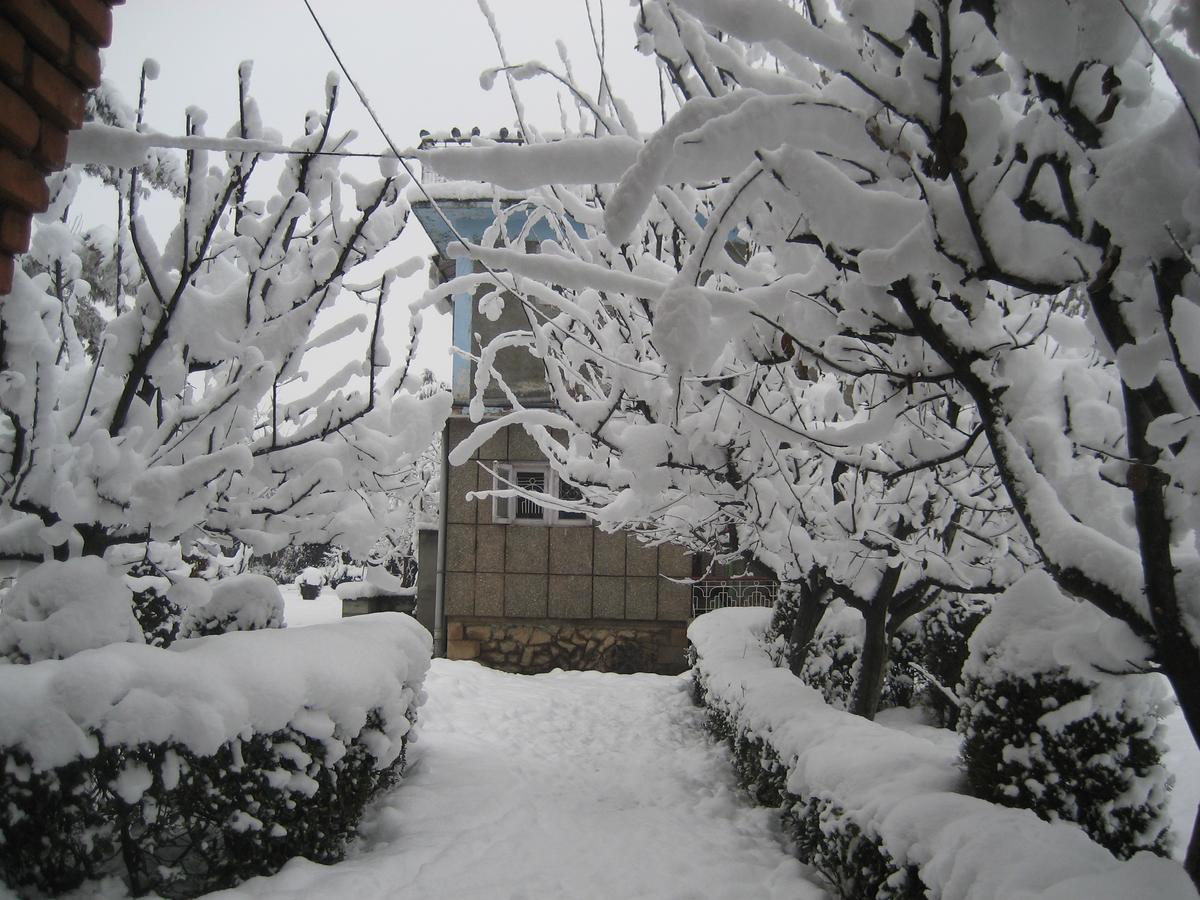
503	508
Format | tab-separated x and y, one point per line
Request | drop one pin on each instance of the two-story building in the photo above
517	585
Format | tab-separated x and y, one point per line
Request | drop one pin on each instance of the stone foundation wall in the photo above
530	647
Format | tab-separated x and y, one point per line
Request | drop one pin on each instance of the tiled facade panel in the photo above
556	573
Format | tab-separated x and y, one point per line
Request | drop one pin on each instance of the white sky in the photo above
418	63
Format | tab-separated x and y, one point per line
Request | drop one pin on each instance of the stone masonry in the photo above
541	645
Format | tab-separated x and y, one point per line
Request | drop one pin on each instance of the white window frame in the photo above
504	509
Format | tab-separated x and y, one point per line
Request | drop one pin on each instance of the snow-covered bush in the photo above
158	614
60	608
831	665
193	768
311	576
903	683
1056	718
884	813
241	603
283	566
833	660
310	581
945	630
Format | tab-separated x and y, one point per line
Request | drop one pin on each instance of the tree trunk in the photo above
868	687
809	613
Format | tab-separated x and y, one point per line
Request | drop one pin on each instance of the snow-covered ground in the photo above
298	611
1183	760
571	784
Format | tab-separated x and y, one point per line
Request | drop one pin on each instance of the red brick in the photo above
6	274
51	151
14	230
84	65
92	17
21	184
18	122
56	96
41	23
12	52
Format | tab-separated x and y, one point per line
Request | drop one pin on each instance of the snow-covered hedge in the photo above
240	603
880	812
1058	720
191	768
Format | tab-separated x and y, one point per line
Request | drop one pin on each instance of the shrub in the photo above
60	608
945	630
241	603
186	772
831	665
1047	726
880	812
853	863
834	656
902	684
284	565
159	616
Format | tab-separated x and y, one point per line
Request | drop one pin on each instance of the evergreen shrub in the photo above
946	628
169	820
853	863
1050	725
159	616
240	603
194	768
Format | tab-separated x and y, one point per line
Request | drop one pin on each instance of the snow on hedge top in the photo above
902	789
61	608
241	603
204	692
1033	628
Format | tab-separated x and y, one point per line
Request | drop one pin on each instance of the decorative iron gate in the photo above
715	593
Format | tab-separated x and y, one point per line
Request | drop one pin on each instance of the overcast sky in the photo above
418	62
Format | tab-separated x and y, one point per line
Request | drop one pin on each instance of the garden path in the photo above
569	785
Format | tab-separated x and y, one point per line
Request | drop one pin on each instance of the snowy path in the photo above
569	786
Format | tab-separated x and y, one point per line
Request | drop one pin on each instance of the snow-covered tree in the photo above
187	420
744	447
994	202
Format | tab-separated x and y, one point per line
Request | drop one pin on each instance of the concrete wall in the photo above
523	372
545	576
427	544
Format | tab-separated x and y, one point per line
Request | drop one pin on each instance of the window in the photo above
527	480
536	478
568	491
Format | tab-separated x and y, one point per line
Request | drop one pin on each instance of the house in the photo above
517	585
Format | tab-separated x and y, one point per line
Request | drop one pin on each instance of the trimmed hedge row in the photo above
883	813
191	769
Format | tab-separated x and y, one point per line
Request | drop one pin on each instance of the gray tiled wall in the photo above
532	571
